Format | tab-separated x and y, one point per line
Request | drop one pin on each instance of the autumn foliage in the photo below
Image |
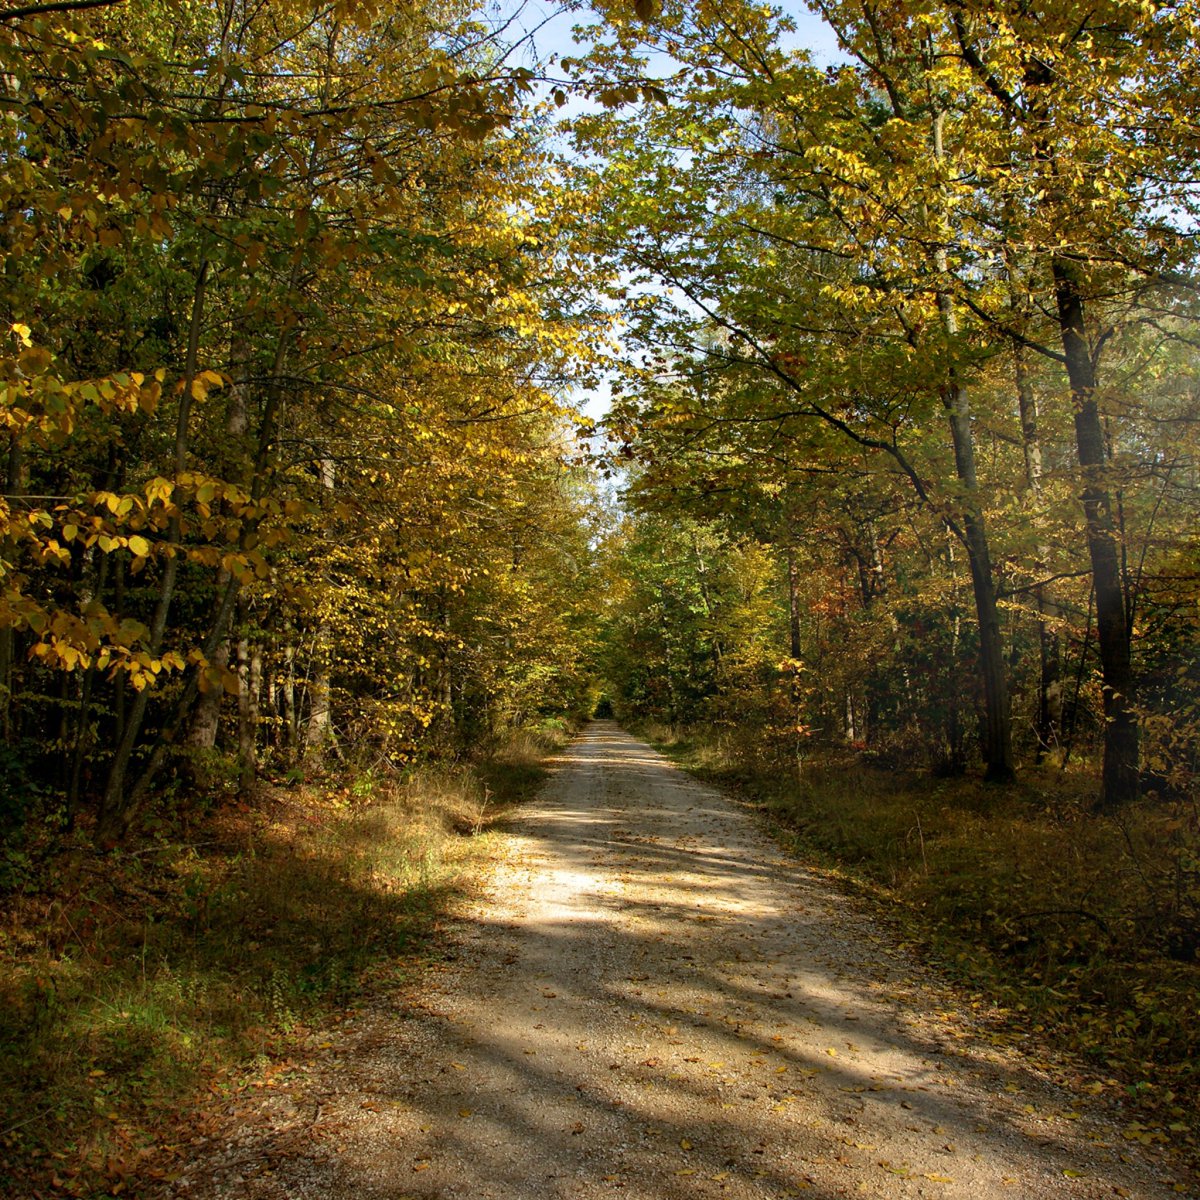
285	467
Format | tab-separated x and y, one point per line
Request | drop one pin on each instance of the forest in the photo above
309	506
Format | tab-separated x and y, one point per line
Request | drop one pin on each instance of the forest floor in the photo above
649	1000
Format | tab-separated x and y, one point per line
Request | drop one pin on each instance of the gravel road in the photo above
652	1002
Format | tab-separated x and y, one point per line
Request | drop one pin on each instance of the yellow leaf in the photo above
137	545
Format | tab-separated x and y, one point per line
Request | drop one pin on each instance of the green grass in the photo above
1084	929
130	983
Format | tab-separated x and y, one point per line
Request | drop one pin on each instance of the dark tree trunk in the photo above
793	603
997	721
12	485
1120	779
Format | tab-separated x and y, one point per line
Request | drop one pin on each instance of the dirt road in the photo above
654	1003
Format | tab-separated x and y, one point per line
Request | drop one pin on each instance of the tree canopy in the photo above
299	299
957	264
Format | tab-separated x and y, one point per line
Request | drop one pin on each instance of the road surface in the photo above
651	1003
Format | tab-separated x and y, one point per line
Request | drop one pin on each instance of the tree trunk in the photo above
1049	733
111	817
14	474
317	733
997	722
793	574
249	670
288	689
320	728
1120	776
206	720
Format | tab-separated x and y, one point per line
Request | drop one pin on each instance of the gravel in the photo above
652	1002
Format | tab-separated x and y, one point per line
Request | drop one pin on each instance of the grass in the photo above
132	984
1083	929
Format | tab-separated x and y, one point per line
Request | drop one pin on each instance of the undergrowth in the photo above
1083	929
131	981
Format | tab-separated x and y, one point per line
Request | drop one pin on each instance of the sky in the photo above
549	28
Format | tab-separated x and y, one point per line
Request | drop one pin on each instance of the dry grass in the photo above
129	983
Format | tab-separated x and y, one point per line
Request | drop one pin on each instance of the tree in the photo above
865	245
281	300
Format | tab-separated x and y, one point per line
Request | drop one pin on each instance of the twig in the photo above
1065	912
921	838
28	1121
487	795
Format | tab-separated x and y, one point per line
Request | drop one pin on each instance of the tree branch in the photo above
38	10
